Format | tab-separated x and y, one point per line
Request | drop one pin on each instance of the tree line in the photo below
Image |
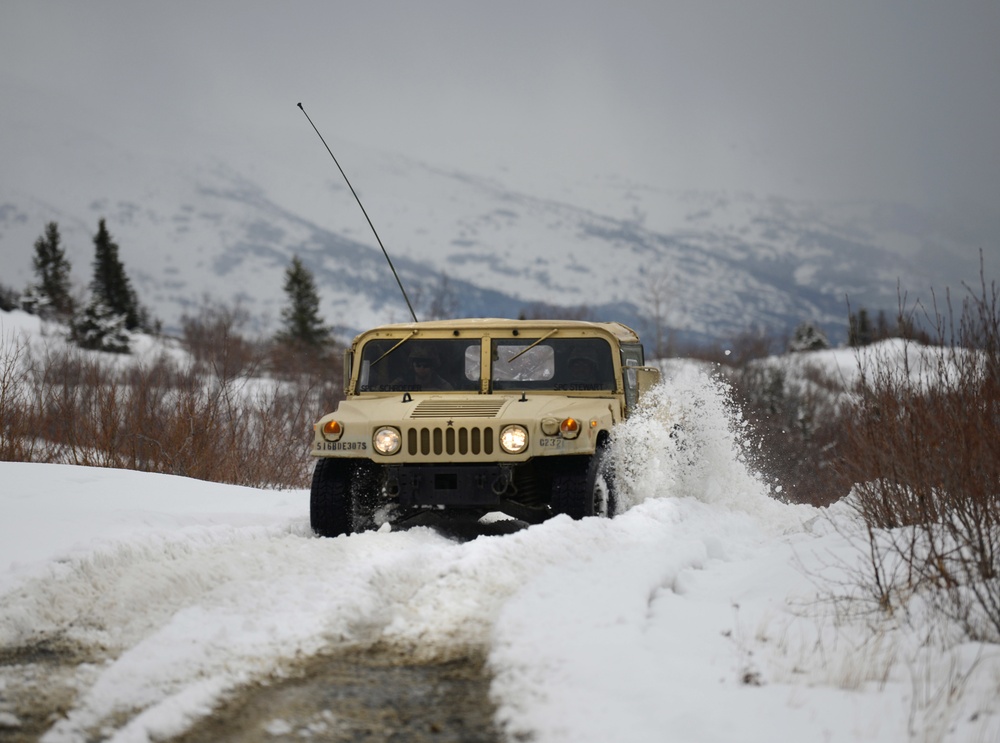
103	320
112	308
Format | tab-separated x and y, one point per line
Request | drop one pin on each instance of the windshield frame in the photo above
471	352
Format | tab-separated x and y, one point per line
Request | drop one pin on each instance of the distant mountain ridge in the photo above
710	265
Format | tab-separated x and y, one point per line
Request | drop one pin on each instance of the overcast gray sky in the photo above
833	99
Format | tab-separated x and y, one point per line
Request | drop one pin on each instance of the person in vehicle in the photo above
422	373
583	370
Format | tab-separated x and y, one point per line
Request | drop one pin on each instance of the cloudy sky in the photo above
834	99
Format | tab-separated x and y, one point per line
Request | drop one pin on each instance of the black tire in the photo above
584	486
601	484
569	482
331	511
364	489
344	497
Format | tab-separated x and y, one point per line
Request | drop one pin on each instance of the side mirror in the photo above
647	377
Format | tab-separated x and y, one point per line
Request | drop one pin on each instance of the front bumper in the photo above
466	485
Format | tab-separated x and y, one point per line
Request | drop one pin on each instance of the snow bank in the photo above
692	616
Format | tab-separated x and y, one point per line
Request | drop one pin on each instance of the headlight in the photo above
386	440
332	430
514	439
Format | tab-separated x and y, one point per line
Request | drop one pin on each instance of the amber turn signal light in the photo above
332	430
569	428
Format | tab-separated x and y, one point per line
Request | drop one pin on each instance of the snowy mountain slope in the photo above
221	222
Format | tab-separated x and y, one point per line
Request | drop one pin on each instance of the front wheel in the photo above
585	486
343	498
331	512
601	484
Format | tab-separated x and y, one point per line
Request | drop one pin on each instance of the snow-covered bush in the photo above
808	337
9	298
34	301
99	328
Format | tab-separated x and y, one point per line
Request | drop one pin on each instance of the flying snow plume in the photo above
630	640
685	442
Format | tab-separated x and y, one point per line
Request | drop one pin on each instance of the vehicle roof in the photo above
621	332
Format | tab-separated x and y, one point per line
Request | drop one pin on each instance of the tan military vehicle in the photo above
469	417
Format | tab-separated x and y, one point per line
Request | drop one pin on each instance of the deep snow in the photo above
703	613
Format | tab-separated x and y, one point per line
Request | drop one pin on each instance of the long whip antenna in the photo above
384	252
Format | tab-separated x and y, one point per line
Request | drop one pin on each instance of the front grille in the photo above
462	440
486	408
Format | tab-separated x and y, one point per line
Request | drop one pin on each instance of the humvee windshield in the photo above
449	364
561	364
434	365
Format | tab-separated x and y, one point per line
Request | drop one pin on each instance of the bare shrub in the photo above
162	418
225	416
924	450
794	435
16	440
216	341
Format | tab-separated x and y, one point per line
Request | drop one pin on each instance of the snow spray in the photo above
686	441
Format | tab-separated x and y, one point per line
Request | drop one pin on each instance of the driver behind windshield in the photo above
421	373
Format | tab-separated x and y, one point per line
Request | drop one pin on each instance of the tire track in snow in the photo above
176	622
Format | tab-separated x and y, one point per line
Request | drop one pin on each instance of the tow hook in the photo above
502	482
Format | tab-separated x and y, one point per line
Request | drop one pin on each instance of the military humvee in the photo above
469	417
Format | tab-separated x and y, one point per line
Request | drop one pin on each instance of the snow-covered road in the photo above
692	616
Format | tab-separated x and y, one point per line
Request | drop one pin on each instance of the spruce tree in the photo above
8	298
99	328
301	317
110	285
859	330
808	337
52	292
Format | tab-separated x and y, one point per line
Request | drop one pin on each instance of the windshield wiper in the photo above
528	348
401	342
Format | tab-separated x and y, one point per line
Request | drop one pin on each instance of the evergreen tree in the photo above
99	328
113	308
301	318
808	337
110	285
8	298
860	331
882	328
52	292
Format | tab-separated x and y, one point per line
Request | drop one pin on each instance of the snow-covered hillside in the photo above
708	611
222	221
